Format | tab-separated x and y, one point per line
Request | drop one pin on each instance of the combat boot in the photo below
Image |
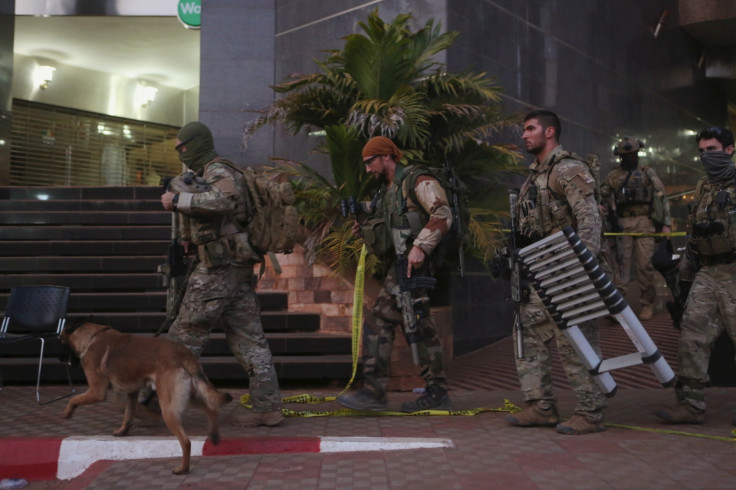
249	418
534	416
363	399
683	413
578	425
646	312
434	398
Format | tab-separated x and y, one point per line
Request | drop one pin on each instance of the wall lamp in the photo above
144	95
43	75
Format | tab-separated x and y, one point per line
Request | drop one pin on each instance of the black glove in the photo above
499	266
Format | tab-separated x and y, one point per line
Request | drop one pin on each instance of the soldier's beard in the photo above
535	150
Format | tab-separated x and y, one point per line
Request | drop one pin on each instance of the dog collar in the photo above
92	338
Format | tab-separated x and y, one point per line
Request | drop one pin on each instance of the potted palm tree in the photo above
386	81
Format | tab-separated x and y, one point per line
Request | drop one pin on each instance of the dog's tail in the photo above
205	390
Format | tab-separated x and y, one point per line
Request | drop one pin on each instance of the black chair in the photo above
36	313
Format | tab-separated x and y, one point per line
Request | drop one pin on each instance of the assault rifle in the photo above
457	218
518	292
505	264
665	261
402	291
177	268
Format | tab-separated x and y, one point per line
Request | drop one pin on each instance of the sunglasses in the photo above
181	145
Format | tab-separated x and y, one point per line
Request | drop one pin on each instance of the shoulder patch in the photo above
569	169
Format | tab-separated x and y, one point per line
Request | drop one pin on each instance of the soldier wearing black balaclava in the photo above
630	195
221	285
708	271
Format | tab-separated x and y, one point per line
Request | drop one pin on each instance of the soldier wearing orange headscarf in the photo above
409	217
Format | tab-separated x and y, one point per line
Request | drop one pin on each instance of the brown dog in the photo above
127	363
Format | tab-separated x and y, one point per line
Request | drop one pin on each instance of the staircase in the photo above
106	244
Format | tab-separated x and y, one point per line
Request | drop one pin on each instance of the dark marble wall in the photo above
7	30
236	70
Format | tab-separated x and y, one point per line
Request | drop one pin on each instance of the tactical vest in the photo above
633	192
218	238
393	227
541	209
712	226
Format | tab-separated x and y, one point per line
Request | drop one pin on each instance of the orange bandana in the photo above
380	145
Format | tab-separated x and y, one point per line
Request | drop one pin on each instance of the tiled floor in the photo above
487	452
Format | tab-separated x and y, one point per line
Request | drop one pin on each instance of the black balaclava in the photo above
197	138
718	167
629	161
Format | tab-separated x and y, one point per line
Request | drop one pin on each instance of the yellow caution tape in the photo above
357	320
677	432
357	329
347	412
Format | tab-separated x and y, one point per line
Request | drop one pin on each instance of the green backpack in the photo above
273	226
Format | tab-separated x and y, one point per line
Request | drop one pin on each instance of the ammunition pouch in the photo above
713	238
242	251
215	253
377	237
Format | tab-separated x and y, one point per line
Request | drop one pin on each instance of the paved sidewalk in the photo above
487	452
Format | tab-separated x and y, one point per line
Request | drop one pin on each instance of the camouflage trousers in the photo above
225	293
535	369
379	331
641	249
710	308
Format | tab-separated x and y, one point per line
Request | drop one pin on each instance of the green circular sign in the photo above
190	13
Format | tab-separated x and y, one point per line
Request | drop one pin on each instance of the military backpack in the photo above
272	220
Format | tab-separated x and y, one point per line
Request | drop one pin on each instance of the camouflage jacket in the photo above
711	228
422	223
560	192
210	215
611	190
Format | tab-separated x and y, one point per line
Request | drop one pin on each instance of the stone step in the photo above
106	244
81	248
23	370
86	218
71	205
281	343
127	233
82	304
152	193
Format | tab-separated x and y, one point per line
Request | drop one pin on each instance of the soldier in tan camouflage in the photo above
221	286
559	192
708	269
389	233
629	193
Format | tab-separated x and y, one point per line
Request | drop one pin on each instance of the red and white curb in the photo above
46	459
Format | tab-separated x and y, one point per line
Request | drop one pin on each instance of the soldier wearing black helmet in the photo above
635	197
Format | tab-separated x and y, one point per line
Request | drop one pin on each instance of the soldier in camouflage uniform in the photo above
422	225
630	193
558	193
221	286
708	269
